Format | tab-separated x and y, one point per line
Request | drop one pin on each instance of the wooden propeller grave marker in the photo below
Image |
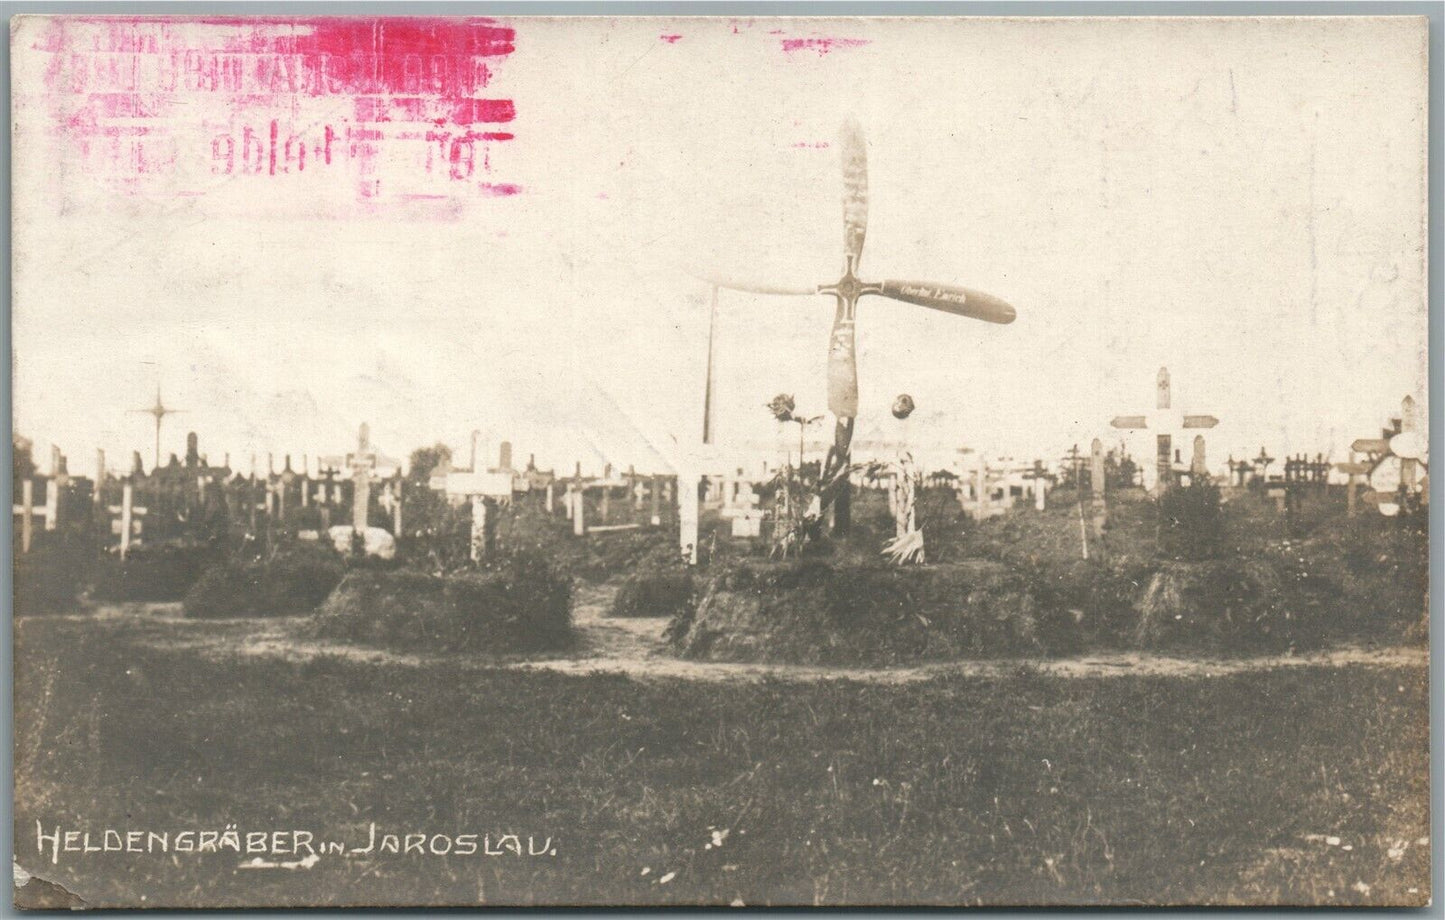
846	292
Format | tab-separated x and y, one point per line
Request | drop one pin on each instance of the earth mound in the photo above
521	604
811	612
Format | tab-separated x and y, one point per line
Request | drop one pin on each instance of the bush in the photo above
163	572
1190	523
289	580
658	594
518	603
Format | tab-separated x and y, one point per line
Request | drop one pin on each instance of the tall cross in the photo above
361	463
1164	420
159	411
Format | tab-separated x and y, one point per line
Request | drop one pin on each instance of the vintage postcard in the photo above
720	461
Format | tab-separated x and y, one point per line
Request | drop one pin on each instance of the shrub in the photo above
656	594
517	603
1190	523
289	580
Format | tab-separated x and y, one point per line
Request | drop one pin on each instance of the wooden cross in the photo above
1237	469
1262	463
1036	475
26	510
484	490
1355	469
1075	460
1164	420
127	526
361	464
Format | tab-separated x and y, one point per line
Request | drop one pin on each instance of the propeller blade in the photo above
843	370
854	154
750	287
956	300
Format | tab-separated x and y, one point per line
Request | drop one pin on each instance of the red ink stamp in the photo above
373	109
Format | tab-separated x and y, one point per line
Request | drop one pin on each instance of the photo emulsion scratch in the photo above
630	461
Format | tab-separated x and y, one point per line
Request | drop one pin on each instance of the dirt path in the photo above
635	648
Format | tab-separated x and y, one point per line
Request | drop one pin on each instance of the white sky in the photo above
1243	201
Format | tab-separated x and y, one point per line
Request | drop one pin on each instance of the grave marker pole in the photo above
550	497
97	498
687	515
479	528
1096	487
127	498
1164	469
362	464
1407	425
654	488
981	490
251	494
1351	490
396	508
52	503
579	511
27	511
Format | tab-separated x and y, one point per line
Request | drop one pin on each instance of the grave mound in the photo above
1349	582
812	612
654	594
161	572
515	604
595	558
50	578
292	579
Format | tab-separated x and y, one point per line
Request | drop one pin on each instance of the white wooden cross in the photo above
127	526
1165	420
361	464
478	487
26	511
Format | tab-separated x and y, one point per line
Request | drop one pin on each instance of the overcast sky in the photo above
1242	201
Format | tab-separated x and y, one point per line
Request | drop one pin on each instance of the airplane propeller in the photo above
842	347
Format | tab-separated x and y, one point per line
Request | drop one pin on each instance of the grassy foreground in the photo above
1306	785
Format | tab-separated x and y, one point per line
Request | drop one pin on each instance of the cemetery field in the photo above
1305	784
